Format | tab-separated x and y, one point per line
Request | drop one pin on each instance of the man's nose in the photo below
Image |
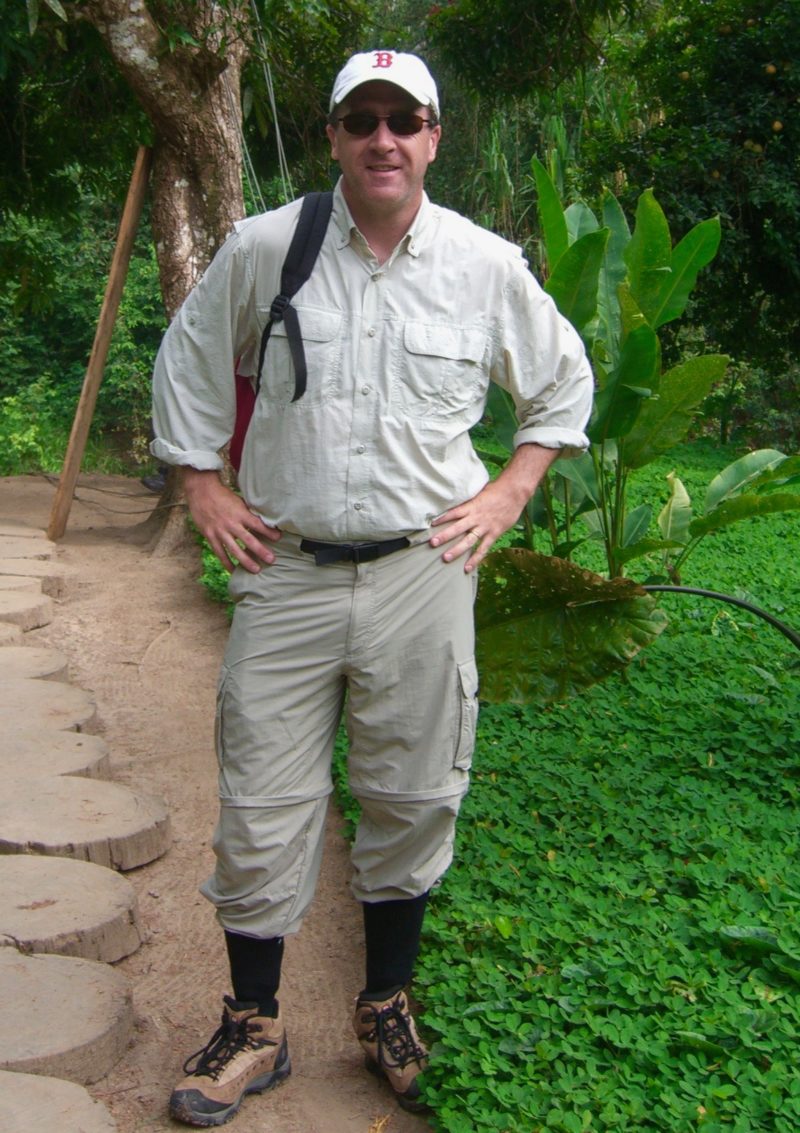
382	137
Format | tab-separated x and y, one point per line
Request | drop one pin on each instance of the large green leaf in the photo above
636	524
649	254
739	475
612	273
580	471
619	403
676	515
580	220
501	412
664	421
551	215
743	507
573	282
695	250
547	629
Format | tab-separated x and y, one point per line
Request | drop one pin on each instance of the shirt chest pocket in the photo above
321	334
438	368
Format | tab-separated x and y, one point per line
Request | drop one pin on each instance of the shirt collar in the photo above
413	241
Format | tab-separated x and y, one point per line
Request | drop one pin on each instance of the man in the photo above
354	545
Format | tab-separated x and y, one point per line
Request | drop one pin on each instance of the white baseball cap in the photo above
402	70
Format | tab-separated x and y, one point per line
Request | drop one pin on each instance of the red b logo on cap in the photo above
383	59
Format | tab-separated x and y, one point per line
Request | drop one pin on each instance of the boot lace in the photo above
396	1043
232	1036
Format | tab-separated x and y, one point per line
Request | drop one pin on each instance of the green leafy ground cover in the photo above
617	945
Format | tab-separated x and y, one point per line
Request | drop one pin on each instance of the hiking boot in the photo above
245	1055
385	1028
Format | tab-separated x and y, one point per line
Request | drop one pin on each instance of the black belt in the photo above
325	553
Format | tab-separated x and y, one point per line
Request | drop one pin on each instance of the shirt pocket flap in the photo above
462	344
315	325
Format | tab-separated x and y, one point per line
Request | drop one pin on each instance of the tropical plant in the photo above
618	287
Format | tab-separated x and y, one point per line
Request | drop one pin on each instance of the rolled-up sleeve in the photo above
542	363
194	396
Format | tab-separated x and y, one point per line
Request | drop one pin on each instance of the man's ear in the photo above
434	138
329	130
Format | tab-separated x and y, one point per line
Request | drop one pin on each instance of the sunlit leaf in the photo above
676	515
737	476
743	507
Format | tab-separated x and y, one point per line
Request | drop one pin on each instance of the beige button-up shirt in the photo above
400	356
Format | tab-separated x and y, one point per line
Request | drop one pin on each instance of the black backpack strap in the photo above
306	242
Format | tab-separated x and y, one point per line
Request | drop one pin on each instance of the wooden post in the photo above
97	359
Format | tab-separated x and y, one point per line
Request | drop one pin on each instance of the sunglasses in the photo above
402	124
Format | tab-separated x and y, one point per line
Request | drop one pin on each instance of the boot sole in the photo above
182	1109
413	1105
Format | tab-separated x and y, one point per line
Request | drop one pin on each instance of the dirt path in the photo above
143	637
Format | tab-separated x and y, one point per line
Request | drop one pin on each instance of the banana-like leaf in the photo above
636	524
547	629
633	551
676	515
580	220
500	407
695	250
619	403
743	507
663	421
573	282
612	273
551	215
649	254
581	471
741	474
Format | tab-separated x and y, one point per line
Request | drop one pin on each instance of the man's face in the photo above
383	173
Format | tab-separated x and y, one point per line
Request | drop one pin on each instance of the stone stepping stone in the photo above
28	611
20	582
50	704
67	907
89	819
10	635
17	527
62	1016
42	753
33	662
26	547
56	578
32	1103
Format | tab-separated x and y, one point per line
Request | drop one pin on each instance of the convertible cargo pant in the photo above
390	641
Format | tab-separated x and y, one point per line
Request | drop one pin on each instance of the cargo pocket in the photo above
468	703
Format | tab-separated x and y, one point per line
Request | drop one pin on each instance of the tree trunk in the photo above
191	94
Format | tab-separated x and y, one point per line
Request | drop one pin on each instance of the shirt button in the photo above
371	332
358	507
361	448
376	276
366	389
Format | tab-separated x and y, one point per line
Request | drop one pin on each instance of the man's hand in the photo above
478	522
227	523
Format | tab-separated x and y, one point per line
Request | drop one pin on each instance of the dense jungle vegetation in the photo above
618	944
